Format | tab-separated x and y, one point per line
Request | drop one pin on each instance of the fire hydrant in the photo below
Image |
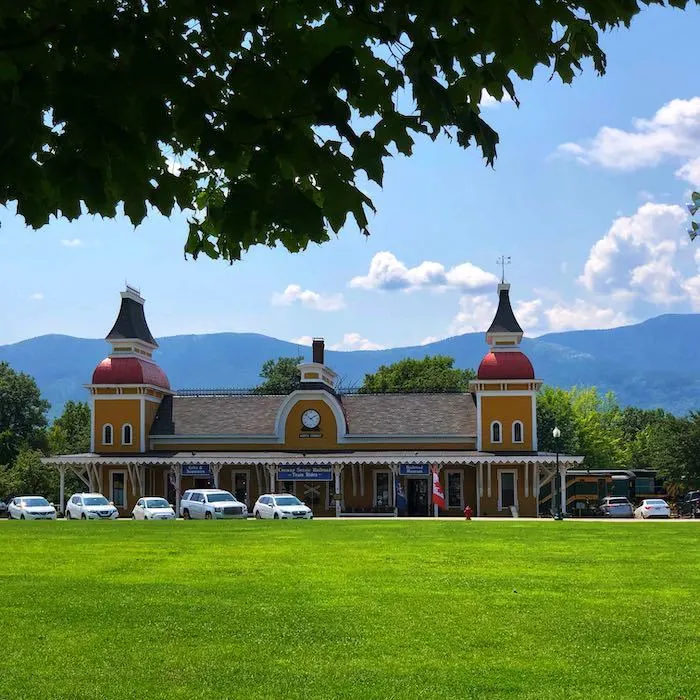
468	512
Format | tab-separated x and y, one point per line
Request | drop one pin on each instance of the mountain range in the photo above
650	364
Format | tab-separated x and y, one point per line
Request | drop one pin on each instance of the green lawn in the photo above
323	609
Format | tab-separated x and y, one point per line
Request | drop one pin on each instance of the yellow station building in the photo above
344	454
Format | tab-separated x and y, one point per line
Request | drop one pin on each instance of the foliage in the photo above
28	476
271	108
22	413
554	409
281	376
694	208
70	432
429	374
356	592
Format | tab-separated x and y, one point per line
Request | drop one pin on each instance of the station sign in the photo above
414	469
196	470
291	473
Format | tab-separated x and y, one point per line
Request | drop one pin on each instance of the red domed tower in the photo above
127	386
505	387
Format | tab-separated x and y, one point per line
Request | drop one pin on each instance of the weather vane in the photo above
503	261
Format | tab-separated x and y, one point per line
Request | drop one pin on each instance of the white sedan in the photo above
30	508
153	509
653	508
279	506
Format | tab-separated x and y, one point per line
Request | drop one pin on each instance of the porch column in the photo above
536	487
337	471
527	479
271	470
479	487
562	479
215	469
62	489
177	471
488	477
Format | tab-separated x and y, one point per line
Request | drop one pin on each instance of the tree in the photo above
281	376
554	409
28	476
70	433
22	412
272	108
430	374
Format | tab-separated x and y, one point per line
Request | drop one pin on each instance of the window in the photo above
517	431
117	488
495	431
126	434
382	488
454	489
507	488
107	434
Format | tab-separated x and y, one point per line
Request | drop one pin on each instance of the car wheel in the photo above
83	517
133	517
21	517
186	514
207	516
257	515
276	516
68	516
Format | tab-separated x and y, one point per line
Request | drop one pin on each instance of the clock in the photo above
310	419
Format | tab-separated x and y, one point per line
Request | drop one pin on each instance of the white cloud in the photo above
674	131
474	316
583	315
387	272
37	296
302	340
527	313
690	172
354	341
635	257
314	300
71	242
429	339
488	100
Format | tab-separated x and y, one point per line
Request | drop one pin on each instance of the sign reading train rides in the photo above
304	474
414	469
196	470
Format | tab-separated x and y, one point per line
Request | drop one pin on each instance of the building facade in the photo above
344	454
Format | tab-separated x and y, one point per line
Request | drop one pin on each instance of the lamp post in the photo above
556	509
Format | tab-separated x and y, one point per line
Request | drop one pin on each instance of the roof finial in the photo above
503	261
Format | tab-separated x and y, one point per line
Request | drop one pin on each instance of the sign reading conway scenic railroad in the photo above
414	469
196	470
304	474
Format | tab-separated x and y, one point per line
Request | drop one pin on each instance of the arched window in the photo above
496	431
517	431
126	434
107	434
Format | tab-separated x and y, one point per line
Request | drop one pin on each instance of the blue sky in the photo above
586	197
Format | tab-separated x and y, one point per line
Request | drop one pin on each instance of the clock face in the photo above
310	419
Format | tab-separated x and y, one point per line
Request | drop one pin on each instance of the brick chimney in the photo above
315	374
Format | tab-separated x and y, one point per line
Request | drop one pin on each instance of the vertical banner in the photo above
438	493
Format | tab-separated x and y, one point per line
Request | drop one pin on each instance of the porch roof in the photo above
274	459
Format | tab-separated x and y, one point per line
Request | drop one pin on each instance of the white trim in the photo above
515	487
123	472
488	479
92	424
142	424
374	486
522	432
479	441
527	480
274	440
460	474
111	434
500	432
127	386
506	392
534	422
131	435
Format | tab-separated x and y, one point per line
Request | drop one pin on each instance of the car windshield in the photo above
157	503
618	501
288	501
95	501
218	497
34	502
656	502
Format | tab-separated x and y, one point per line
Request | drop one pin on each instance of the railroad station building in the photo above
343	454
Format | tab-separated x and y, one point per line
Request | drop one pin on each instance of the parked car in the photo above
690	504
653	508
30	508
90	506
211	504
615	507
153	508
281	506
3	508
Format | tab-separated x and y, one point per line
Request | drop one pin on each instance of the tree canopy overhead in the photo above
429	374
274	106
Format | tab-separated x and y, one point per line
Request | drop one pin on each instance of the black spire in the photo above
131	321
504	321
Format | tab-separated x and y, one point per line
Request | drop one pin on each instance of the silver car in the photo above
616	507
211	504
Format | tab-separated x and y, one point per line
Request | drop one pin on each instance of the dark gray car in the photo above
616	507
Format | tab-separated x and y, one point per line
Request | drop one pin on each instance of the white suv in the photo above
90	506
210	504
31	508
280	506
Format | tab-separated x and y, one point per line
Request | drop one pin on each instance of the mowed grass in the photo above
350	609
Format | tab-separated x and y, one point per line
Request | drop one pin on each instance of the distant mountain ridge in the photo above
650	364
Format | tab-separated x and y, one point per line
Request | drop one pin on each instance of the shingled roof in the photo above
131	323
366	414
504	321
